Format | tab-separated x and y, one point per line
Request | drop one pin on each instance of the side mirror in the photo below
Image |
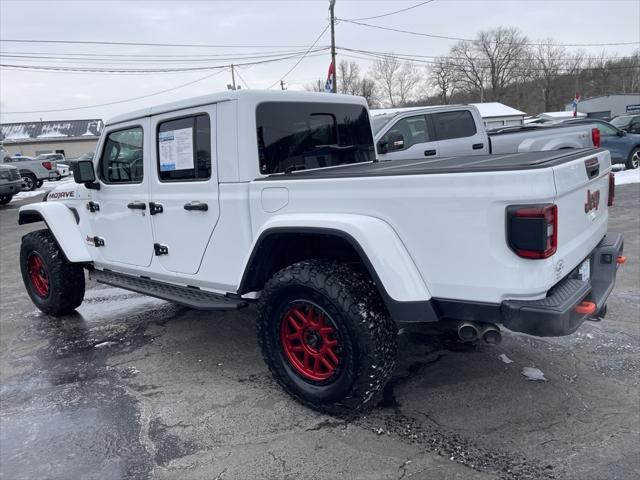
383	146
395	140
85	174
621	133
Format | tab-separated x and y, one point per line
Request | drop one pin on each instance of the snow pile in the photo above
533	374
626	177
503	358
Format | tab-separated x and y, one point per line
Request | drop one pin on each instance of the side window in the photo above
606	130
122	159
184	149
456	124
413	129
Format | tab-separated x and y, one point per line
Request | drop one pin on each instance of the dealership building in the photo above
72	138
609	106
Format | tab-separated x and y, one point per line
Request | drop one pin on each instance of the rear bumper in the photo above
556	314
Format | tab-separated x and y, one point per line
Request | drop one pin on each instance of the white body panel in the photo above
427	235
62	224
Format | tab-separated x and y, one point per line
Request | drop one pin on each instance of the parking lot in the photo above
137	387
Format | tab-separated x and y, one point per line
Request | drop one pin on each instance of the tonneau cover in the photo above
422	166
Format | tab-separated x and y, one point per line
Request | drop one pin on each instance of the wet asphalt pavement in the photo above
133	387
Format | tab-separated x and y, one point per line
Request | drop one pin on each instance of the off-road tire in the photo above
66	284
4	199
634	159
30	181
367	346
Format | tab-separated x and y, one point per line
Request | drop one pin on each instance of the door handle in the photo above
203	207
137	206
429	153
478	146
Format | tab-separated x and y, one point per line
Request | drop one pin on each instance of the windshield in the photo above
621	121
379	121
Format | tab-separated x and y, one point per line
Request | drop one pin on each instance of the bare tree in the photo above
349	74
502	49
383	72
470	71
549	65
368	91
395	81
442	77
317	86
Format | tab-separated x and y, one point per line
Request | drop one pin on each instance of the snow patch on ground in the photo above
533	374
626	177
46	187
505	359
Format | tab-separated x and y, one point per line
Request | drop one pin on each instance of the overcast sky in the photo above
276	25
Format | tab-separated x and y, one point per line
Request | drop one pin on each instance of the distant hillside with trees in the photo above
500	65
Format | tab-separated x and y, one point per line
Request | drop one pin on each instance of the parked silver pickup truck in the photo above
33	170
455	130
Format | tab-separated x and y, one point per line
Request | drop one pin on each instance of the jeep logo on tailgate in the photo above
593	200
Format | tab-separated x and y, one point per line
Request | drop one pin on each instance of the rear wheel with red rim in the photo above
325	335
310	341
38	275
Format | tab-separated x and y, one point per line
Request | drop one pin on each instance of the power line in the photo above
392	13
95	60
120	101
302	57
445	37
148	70
143	44
150	58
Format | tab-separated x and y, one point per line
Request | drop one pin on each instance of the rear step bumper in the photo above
189	296
556	314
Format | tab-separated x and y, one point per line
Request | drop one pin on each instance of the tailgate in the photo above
582	190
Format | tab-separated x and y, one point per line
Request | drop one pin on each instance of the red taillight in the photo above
533	230
47	165
612	189
595	137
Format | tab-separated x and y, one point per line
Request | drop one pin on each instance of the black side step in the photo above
188	296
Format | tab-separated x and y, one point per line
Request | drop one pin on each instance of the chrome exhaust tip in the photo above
467	331
491	334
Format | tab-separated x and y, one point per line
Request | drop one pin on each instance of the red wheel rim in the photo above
38	275
309	341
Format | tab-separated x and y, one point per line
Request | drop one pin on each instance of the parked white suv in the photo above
277	197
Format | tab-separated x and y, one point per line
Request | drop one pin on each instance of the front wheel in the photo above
4	199
55	286
29	181
326	335
633	161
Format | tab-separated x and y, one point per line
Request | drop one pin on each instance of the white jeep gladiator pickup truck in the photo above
458	130
277	197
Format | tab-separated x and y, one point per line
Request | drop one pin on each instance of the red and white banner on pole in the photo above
328	86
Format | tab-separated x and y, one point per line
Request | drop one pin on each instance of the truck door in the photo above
458	135
183	203
120	217
418	141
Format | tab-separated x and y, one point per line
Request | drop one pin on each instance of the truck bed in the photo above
422	166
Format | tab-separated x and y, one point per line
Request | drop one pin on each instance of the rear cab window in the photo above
305	135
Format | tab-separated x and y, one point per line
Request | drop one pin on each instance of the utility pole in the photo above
282	85
233	77
332	4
